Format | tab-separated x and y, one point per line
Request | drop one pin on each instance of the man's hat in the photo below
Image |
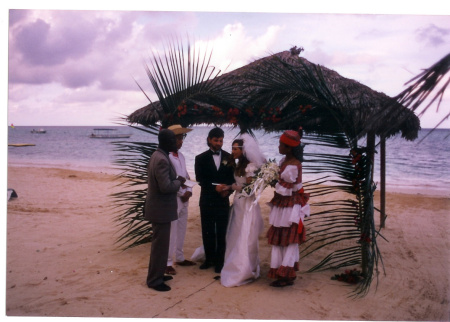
178	129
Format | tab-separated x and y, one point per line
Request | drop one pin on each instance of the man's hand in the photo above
221	187
186	196
224	190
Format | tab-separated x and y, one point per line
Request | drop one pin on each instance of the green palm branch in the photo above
132	159
348	222
183	79
430	84
181	76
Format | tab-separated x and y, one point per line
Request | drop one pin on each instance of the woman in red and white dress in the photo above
288	209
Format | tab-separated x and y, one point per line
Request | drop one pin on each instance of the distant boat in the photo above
40	131
21	144
108	134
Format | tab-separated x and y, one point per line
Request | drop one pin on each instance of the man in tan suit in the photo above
161	207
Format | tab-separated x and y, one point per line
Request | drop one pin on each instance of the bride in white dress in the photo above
245	223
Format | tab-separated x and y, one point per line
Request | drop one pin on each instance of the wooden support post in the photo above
371	151
368	203
382	181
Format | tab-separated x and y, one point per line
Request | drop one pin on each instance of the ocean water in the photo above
418	164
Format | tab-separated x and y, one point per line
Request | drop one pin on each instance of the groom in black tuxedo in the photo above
213	167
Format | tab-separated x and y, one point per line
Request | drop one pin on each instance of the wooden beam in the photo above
382	182
369	179
371	151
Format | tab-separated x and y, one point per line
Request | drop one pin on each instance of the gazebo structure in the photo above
279	92
363	111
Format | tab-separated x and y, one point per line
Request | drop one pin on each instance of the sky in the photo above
80	65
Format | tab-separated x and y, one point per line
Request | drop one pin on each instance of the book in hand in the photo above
190	183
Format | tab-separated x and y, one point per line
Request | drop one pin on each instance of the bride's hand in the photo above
225	193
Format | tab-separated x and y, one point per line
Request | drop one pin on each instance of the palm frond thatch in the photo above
293	84
366	109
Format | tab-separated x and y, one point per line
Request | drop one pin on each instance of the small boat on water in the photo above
21	144
40	131
108	134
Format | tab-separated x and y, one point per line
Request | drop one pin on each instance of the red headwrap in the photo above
290	138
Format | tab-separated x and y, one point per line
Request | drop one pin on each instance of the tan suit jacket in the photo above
161	202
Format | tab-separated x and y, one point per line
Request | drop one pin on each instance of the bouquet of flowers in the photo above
265	176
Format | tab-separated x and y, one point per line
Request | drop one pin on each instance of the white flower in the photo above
251	168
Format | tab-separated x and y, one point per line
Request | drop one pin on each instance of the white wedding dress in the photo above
242	251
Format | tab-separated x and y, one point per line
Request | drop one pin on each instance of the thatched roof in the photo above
363	108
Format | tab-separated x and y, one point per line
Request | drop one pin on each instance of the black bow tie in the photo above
216	152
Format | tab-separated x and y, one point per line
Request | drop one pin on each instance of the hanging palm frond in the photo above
179	77
184	79
348	223
132	159
424	85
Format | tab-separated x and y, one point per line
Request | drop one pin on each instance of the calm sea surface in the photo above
409	164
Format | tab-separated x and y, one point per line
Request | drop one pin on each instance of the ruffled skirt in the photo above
286	233
283	236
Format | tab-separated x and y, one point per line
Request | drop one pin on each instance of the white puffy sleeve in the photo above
287	183
290	174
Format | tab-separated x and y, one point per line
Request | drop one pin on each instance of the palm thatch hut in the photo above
355	107
275	93
369	111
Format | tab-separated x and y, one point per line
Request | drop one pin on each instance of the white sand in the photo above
62	261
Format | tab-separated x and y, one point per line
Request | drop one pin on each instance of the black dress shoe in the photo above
161	287
206	265
167	278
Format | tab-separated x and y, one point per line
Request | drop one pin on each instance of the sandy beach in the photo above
62	261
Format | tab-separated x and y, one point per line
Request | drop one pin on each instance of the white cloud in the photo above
381	51
234	47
